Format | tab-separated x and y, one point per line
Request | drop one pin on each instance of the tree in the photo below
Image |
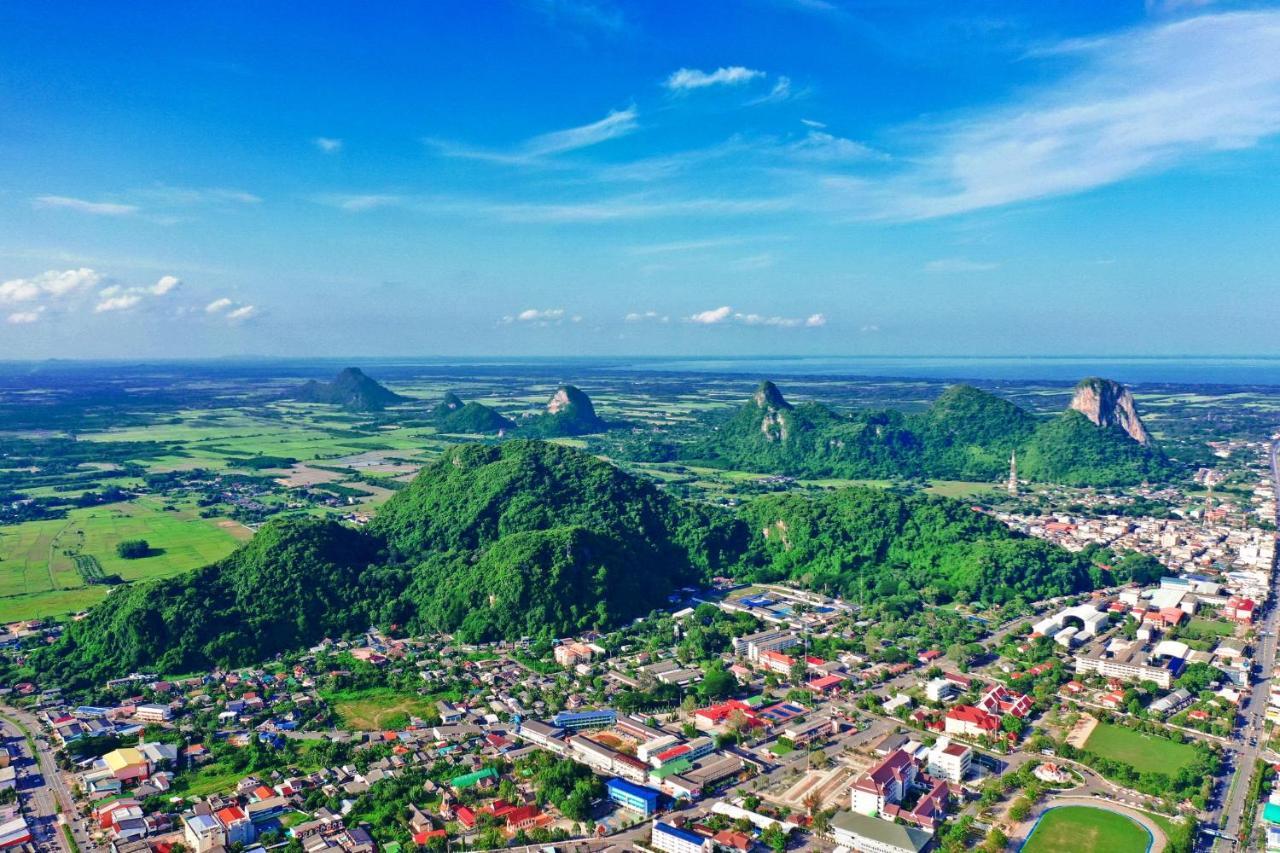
133	549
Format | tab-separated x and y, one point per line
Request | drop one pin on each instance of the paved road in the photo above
1251	736
50	794
39	803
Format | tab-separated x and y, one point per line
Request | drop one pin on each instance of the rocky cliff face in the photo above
767	396
1106	402
567	397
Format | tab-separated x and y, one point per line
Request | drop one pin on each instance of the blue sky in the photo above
563	177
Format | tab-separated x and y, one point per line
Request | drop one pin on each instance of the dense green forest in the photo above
967	434
528	538
453	415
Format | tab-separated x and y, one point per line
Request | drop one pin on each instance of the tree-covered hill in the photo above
770	435
295	582
454	416
868	544
967	434
528	538
569	412
1071	450
351	389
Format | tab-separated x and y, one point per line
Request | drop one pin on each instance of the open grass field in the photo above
375	710
1211	627
1080	829
1144	753
39	576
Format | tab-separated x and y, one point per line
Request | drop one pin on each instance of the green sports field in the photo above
1080	829
1144	753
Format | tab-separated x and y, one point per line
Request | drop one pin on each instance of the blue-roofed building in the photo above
629	795
575	720
670	839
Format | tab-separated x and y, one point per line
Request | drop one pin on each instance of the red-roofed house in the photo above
885	783
776	662
522	817
239	828
466	817
1240	609
1000	699
825	684
968	721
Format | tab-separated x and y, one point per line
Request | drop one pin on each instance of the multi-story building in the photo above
887	782
752	645
637	798
575	720
950	761
202	832
671	839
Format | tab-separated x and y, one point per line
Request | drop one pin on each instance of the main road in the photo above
1251	737
48	799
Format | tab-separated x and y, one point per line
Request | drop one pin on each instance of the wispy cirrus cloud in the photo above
617	123
327	144
79	205
959	265
689	79
1141	101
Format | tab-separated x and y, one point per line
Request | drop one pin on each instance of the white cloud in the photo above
646	317
530	314
51	283
166	284
328	144
870	328
726	315
244	312
98	208
713	316
1141	101
121	302
687	79
191	196
811	123
617	123
20	318
217	306
959	265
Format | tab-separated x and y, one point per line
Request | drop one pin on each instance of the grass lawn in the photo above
780	749
1144	753
378	709
1080	829
1211	627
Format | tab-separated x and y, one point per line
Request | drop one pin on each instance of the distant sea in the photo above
1192	370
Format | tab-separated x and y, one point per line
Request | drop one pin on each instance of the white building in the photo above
670	839
202	832
950	761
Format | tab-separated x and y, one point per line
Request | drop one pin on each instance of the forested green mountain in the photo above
534	539
1071	450
871	545
966	434
295	582
453	415
770	435
569	412
350	389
